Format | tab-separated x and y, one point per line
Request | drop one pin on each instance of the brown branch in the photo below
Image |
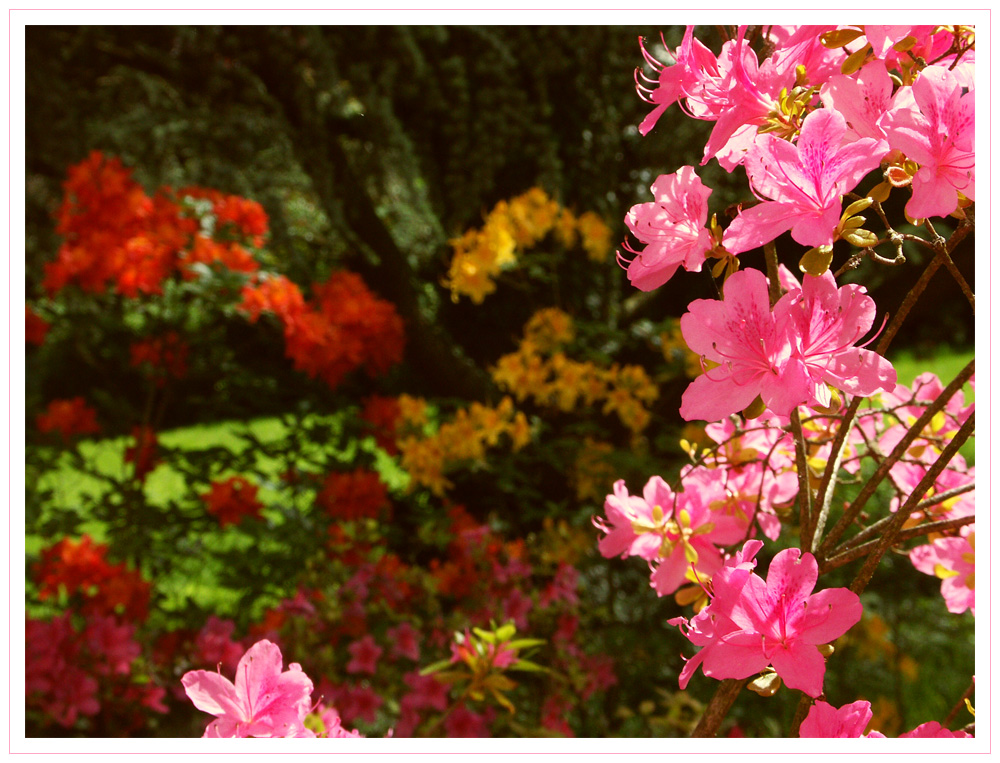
852	511
960	704
718	708
926	528
903	512
941	248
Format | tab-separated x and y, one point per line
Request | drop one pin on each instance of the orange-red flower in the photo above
68	417
231	500
342	329
81	568
164	356
380	415
144	453
116	234
353	495
35	327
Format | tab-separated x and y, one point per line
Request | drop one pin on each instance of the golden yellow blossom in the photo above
596	236
462	440
513	226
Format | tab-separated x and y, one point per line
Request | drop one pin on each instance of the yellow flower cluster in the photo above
481	254
462	440
537	370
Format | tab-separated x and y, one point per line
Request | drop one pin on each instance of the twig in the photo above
805	490
718	708
856	552
904	511
959	705
941	248
897	453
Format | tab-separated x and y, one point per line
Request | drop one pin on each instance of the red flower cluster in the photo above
353	495
165	357
380	415
247	217
343	328
115	233
68	418
143	453
233	499
81	569
206	250
35	327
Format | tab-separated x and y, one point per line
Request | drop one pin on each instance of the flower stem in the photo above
718	708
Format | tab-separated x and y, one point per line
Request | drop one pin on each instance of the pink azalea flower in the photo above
939	134
825	323
933	730
700	519
364	655
804	182
865	98
954	561
623	511
264	702
751	624
330	719
694	74
907	474
672	227
753	354
730	90
829	722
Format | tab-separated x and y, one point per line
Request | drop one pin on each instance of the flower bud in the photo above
861	238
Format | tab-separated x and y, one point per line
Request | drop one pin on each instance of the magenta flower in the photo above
672	227
804	183
954	561
751	624
264	702
364	655
848	722
940	136
754	357
404	641
825	323
933	730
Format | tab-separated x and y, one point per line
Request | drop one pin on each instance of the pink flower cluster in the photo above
751	624
806	134
789	356
849	722
679	534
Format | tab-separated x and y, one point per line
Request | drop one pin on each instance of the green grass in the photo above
195	574
945	363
